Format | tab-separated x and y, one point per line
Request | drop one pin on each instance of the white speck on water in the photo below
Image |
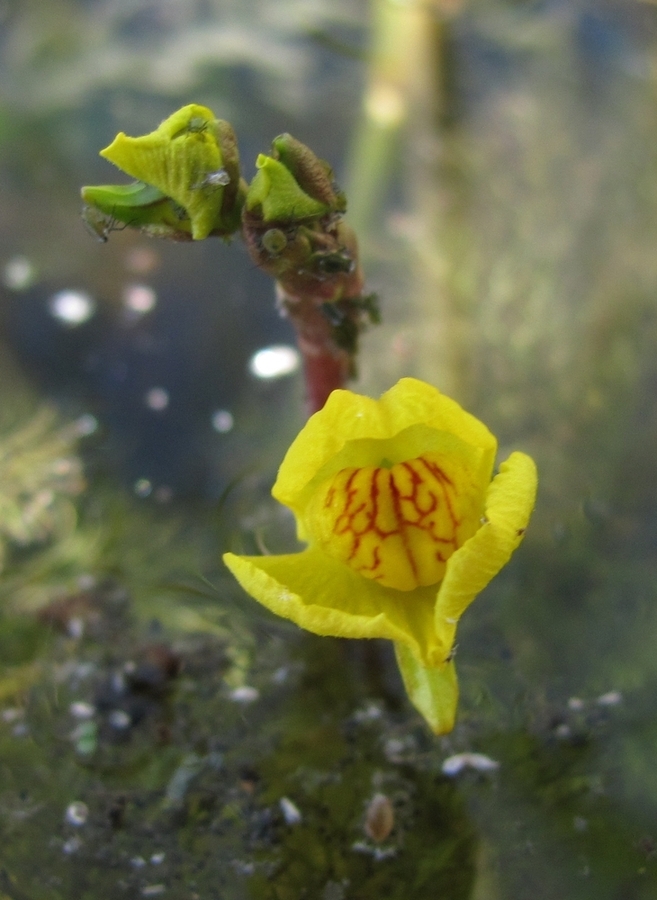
72	307
86	425
77	813
281	675
158	858
153	890
18	273
81	710
142	487
244	694
163	494
291	812
75	627
611	698
454	765
139	299
370	713
71	846
563	731
157	399
138	862
275	362
119	719
576	704
222	421
11	714
377	853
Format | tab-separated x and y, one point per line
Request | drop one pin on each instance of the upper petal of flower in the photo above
352	430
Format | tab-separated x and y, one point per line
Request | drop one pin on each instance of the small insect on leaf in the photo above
197	125
220	178
379	818
100	224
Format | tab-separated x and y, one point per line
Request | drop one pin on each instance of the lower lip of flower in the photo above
396	524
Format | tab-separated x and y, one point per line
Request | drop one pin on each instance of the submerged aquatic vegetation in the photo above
404	528
39	474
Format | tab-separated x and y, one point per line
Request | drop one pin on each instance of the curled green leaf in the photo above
192	159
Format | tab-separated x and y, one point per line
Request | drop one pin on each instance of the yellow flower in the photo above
404	528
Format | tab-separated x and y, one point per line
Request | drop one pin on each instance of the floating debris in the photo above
85	737
71	846
370	713
71	307
291	812
377	853
82	710
158	858
18	274
179	783
576	704
222	421
244	694
379	818
119	719
139	299
275	362
153	890
77	813
611	698
454	765
157	399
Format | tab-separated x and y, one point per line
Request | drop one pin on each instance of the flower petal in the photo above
509	504
434	692
349	417
326	597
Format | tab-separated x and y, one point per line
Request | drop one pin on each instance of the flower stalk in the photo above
189	187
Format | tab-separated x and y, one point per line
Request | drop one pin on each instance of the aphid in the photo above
100	224
197	125
379	818
333	263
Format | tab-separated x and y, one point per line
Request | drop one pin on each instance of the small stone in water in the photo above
244	694
81	710
379	818
119	719
291	812
77	813
611	698
454	765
